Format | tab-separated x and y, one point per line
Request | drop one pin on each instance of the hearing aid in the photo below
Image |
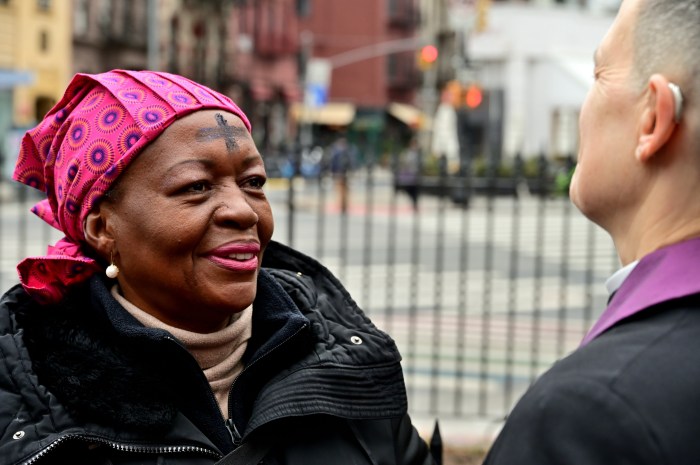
677	100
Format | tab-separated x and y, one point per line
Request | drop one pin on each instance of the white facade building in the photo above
541	55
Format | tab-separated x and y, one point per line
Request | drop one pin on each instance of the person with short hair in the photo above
630	394
167	326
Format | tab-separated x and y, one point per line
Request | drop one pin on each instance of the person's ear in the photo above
658	118
97	233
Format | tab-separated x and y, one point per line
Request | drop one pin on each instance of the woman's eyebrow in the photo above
194	162
221	131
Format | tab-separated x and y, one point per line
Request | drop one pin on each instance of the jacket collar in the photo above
662	275
63	390
352	369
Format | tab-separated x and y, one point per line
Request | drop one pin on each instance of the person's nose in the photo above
235	209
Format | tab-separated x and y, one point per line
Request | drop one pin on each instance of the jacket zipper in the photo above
121	447
233	431
230	425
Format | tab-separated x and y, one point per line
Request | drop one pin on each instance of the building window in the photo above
130	26
394	7
43	41
81	15
402	12
400	68
105	13
303	8
174	49
42	105
199	51
44	4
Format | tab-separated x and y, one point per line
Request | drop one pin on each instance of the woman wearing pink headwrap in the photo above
155	331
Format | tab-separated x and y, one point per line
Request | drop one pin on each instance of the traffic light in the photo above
427	56
473	96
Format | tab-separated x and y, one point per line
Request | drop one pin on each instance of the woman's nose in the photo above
235	209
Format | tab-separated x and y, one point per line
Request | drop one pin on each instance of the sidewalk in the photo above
465	441
459	432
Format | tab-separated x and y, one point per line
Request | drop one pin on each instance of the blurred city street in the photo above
476	319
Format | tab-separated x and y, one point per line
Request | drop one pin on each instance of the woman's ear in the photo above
97	233
658	118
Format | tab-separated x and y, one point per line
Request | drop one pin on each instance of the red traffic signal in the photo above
474	96
427	56
429	53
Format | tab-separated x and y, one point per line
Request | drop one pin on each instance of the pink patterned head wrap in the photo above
80	148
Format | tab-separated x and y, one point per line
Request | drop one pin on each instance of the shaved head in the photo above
667	41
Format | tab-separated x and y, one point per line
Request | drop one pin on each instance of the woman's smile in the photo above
236	256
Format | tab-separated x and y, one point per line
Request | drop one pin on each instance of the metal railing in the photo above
483	287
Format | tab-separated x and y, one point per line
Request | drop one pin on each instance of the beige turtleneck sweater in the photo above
218	354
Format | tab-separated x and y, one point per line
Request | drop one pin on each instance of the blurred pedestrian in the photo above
341	164
631	393
167	326
408	171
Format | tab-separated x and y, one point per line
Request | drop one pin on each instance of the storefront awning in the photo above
409	115
10	78
330	114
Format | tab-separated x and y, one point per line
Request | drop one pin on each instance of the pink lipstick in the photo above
236	256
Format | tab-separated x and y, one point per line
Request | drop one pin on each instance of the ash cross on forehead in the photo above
222	131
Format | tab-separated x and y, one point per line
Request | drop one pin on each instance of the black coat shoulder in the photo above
628	397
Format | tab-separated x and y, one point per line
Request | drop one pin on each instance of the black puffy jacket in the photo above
84	383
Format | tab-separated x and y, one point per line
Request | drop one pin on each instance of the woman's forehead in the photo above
207	127
205	134
228	133
216	122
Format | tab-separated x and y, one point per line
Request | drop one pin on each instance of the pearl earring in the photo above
112	270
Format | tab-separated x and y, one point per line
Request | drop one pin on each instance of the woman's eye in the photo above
199	186
256	182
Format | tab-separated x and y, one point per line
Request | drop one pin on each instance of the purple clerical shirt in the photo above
665	274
